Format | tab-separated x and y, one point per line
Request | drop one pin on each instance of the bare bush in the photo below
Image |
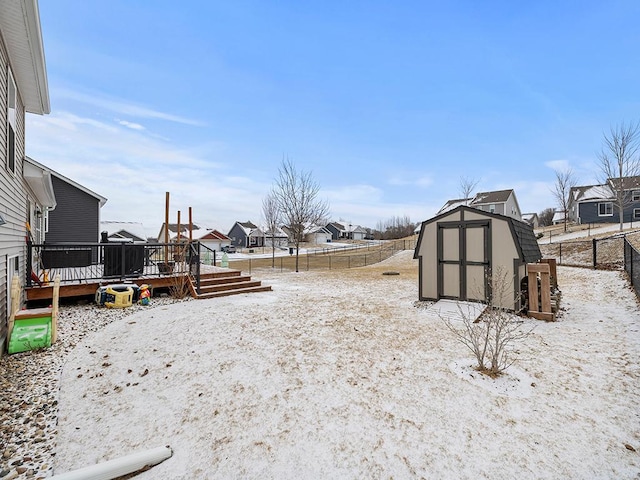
180	282
492	336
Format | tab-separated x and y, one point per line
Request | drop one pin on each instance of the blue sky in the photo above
388	104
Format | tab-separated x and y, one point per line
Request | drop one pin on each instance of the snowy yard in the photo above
340	375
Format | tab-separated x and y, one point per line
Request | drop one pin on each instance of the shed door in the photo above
464	252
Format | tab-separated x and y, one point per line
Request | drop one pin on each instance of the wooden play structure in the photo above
542	290
33	328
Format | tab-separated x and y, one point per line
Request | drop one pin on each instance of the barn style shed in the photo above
460	250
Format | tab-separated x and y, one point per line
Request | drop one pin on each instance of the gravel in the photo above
29	383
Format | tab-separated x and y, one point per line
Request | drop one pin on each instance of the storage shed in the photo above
460	250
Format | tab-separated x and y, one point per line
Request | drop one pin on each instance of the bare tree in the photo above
492	336
271	215
467	185
545	217
565	181
296	193
395	227
620	162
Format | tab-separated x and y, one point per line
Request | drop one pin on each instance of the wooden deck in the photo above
215	284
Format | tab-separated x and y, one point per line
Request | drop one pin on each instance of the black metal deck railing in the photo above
113	261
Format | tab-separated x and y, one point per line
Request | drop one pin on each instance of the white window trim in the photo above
605	214
635	195
636	213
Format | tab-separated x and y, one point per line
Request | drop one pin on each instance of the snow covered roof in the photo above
451	204
591	193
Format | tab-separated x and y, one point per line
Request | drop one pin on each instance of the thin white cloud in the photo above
122	107
558	165
422	182
131	125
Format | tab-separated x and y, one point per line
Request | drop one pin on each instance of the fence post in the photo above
594	252
561	253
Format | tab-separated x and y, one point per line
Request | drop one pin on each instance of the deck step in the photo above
225	293
222	284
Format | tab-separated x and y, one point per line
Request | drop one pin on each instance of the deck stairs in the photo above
224	283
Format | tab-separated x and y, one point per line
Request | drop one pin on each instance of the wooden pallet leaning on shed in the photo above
540	304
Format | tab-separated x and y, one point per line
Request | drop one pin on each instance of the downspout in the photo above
119	466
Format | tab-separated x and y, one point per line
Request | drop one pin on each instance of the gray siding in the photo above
76	217
588	213
238	236
13	197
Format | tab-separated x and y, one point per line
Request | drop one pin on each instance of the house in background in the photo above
532	219
214	240
246	235
123	231
558	217
597	203
316	234
278	238
502	202
23	89
346	231
173	231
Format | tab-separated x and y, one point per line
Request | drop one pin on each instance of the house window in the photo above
635	194
605	209
11	124
492	208
636	213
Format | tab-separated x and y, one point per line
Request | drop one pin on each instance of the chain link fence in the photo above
632	264
326	259
601	253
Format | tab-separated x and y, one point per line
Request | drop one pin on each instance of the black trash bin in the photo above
133	260
290	250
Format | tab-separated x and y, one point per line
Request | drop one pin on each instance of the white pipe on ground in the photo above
118	466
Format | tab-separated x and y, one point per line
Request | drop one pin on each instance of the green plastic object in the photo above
30	334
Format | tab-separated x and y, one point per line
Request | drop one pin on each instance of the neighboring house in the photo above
173	232
214	240
23	89
278	238
246	235
316	234
502	202
76	217
346	231
123	231
558	218
597	203
532	219
458	250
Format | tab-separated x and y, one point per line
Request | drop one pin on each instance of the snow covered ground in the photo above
342	375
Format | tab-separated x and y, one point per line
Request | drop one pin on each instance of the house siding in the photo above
588	213
238	236
335	233
13	198
76	217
